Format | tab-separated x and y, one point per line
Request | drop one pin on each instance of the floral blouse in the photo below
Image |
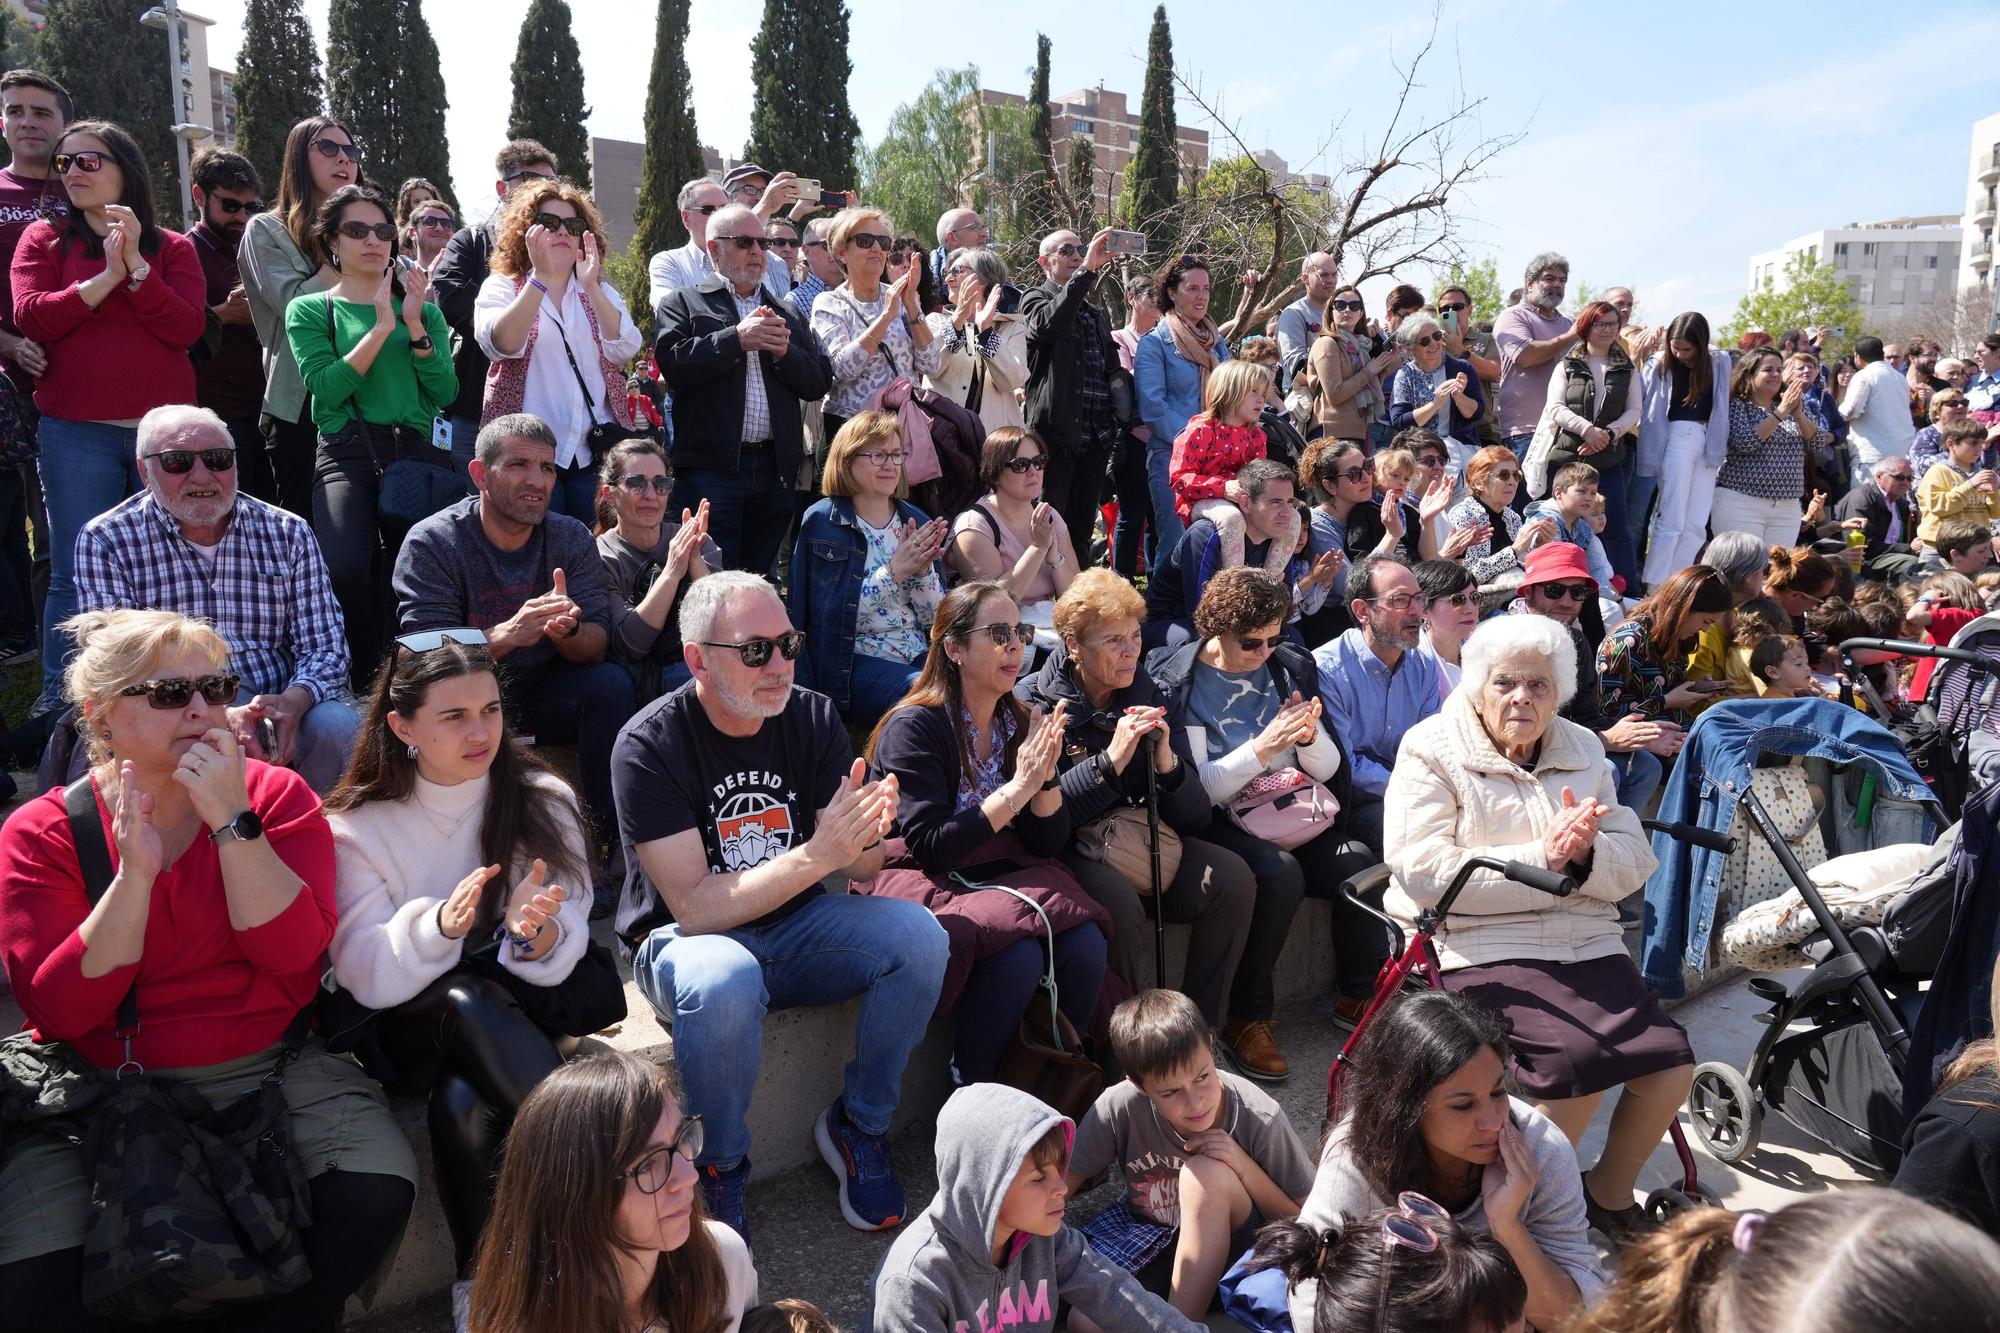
1631	674
839	318
1487	560
893	619
989	774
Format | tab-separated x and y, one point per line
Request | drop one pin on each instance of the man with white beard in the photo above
1532	337
190	543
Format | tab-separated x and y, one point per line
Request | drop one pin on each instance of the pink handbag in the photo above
1285	808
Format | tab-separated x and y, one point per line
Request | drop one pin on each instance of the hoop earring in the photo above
410	750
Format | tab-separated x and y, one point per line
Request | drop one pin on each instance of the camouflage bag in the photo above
193	1209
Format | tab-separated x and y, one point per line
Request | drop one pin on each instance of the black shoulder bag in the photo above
192	1209
602	434
411	489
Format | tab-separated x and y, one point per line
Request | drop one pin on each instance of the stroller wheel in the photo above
1728	1114
1666	1203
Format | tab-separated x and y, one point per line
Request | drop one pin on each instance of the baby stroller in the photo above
1952	734
1840	1078
1415	965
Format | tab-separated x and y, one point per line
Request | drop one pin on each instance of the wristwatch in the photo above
134	277
246	827
423	344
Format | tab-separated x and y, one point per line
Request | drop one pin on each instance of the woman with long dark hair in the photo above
597	1223
1642	665
439	795
115	301
281	260
374	352
1683	440
652	560
981	805
1170	376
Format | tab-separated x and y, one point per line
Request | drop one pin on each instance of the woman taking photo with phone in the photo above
555	334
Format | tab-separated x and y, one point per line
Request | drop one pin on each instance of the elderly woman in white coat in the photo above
1683	442
1497	772
983	350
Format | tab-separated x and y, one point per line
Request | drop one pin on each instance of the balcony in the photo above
1982	212
1982	255
1989	166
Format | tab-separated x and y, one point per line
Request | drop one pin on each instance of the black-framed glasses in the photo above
780	243
1430	338
1000	634
1452	307
527	173
744	242
1339	304
812	245
1575	592
335	148
1356	473
356	230
883	458
869	240
180	462
173	692
89	161
1430	460
550	222
656	1168
234	206
426	640
1457	601
638	485
756	652
1023	466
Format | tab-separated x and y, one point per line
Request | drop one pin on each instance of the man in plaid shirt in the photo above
189	543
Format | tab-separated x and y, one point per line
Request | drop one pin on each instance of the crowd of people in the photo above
386	523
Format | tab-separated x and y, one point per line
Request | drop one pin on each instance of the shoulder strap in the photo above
93	858
589	411
992	523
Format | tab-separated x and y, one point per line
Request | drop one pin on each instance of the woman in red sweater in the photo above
219	912
115	302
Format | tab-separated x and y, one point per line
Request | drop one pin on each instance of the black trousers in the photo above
466	1036
360	549
1073	483
253	459
1284	880
292	448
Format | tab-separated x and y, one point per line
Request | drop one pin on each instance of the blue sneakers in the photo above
722	1196
870	1197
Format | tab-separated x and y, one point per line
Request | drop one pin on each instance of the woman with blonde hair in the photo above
873	330
555	333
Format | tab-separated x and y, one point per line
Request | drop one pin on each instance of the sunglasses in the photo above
813	245
1506	476
426	640
657	1167
1347	305
743	242
1255	645
1413	1226
234	206
1022	466
868	240
639	485
439	222
707	210
756	652
779	243
1067	251
1000	634
89	161
335	148
1430	338
550	222
361	231
1453	307
1575	592
180	462
530	174
1356	473
1431	460
175	691
1457	601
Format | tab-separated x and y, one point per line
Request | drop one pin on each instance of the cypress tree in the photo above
1155	175
1081	180
799	117
548	89
116	70
277	83
1038	191
17	42
673	151
384	84
422	149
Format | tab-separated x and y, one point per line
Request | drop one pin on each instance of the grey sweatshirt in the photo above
939	1276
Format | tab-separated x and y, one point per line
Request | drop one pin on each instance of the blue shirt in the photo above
1369	706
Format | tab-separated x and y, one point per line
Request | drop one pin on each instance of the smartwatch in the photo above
246	827
423	344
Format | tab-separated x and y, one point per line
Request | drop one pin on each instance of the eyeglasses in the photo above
234	206
175	691
1255	645
639	485
1067	250
1457	601
657	1167
1453	307
779	243
707	210
1000	634
1413	1226
180	462
1430	460
958	270
426	640
743	242
868	240
89	162
756	652
1346	305
531	174
812	245
883	458
1506	476
438	222
1430	338
1021	466
361	231
550	222
1395	601
1575	592
335	148
1357	473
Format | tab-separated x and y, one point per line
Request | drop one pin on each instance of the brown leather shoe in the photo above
1254	1051
1347	1011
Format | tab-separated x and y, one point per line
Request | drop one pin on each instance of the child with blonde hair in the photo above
1218	441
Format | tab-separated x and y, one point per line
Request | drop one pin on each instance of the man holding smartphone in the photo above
1072	367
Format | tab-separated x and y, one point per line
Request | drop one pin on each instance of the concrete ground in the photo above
803	1248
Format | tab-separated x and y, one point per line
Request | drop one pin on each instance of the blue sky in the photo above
1660	153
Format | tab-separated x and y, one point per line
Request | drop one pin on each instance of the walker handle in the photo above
1552	882
1694	833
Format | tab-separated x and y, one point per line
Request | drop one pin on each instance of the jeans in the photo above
748	509
575	494
584	704
1003	994
1687	488
1284	879
360	548
1639	498
1135	506
1775	522
292	449
1380	432
464	434
1213	890
875	686
87	467
1167	525
253	461
324	744
716	989
1614	483
1639	773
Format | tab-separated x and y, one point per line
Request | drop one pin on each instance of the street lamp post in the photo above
167	18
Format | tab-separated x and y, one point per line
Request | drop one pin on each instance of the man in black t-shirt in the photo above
738	796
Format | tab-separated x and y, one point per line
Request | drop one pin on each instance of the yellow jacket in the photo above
1946	493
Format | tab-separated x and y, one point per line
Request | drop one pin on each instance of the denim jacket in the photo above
829	562
1712	774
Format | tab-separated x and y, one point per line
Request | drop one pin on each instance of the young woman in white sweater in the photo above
461	881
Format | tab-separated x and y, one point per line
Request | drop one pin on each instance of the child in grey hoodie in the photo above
991	1253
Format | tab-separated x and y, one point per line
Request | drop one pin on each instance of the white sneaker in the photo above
461	1306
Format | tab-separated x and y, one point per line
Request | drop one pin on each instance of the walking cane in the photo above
1153	849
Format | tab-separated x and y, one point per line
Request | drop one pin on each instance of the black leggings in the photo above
355	1218
467	1037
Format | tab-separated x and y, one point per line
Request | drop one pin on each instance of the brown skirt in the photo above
1576	1028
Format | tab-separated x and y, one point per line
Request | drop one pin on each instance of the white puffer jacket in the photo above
1005	371
1453	794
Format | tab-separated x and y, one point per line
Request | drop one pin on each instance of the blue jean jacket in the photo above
1168	384
1711	775
829	562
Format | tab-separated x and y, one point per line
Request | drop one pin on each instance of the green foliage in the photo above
116	70
1154	181
800	120
420	106
927	159
384	84
673	153
1038	196
1813	294
1080	179
277	83
18	45
1481	283
548	89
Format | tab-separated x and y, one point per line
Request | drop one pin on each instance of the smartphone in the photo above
1713	687
1449	321
267	736
803	190
1126	243
832	199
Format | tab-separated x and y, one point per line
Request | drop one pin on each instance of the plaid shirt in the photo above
1095	418
268	593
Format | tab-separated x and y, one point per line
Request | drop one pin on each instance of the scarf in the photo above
1197	343
1369	402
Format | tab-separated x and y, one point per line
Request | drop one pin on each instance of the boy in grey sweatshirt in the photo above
991	1253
